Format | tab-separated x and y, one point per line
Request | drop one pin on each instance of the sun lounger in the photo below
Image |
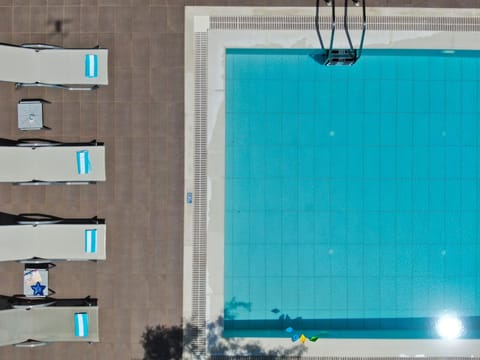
52	66
37	162
39	238
29	323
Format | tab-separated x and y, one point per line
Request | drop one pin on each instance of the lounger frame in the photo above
30	323
41	239
33	179
39	47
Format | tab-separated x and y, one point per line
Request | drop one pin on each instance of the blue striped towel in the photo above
83	162
91	240
91	66
81	324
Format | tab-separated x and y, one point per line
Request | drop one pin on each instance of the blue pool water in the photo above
352	200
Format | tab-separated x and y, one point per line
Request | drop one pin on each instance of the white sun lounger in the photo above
52	66
51	320
38	238
37	162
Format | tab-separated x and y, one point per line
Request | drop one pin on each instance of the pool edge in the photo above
198	25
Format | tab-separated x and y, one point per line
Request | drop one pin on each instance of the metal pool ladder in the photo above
332	56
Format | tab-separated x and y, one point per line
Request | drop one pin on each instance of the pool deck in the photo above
140	117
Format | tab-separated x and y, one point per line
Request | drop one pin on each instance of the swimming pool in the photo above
351	206
209	32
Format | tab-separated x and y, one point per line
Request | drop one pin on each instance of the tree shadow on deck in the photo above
162	342
167	343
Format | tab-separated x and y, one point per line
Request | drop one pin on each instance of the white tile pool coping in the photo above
208	32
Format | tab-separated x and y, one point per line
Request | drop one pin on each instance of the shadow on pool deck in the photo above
163	342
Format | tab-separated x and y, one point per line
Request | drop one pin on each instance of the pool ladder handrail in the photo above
333	56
